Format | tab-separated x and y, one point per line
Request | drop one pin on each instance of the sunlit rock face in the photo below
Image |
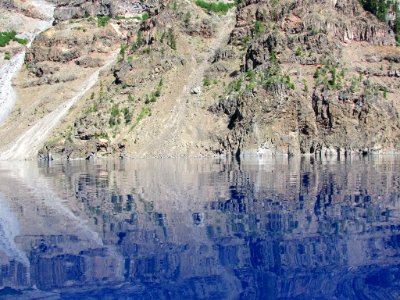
76	9
202	229
307	117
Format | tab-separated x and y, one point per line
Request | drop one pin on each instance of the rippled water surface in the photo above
200	229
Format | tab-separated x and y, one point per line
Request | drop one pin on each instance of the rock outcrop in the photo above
78	9
319	78
66	43
269	78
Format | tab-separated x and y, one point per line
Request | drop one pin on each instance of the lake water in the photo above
200	229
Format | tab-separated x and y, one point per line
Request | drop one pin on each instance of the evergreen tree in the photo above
370	5
377	7
381	10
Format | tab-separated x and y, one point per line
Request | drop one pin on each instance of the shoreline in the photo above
213	157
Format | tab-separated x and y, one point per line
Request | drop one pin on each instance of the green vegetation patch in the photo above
379	8
146	111
170	38
330	77
127	115
103	21
114	118
6	37
145	17
154	95
215	7
259	28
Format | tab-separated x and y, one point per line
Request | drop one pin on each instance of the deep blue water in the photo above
200	229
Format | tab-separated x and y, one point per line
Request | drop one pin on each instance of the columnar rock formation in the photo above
77	9
325	72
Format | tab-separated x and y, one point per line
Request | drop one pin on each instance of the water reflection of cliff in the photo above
205	229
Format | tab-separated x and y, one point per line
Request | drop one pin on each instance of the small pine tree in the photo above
139	39
171	39
187	18
378	7
258	28
381	11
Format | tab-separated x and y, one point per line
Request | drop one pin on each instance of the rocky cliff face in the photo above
320	78
295	77
78	9
268	78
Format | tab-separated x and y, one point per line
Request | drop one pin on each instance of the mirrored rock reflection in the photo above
200	229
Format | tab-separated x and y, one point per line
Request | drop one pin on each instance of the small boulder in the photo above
196	90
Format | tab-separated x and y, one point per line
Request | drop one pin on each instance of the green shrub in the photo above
174	6
332	78
354	85
122	51
114	118
305	86
250	75
146	111
237	85
245	40
298	51
21	41
154	95
286	81
220	7
171	39
333	81
127	115
206	81
186	19
234	86
150	99
103	21
147	50
317	74
273	79
259	28
157	92
145	17
7	56
6	37
273	57
139	42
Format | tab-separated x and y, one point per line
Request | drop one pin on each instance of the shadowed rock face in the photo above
201	229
